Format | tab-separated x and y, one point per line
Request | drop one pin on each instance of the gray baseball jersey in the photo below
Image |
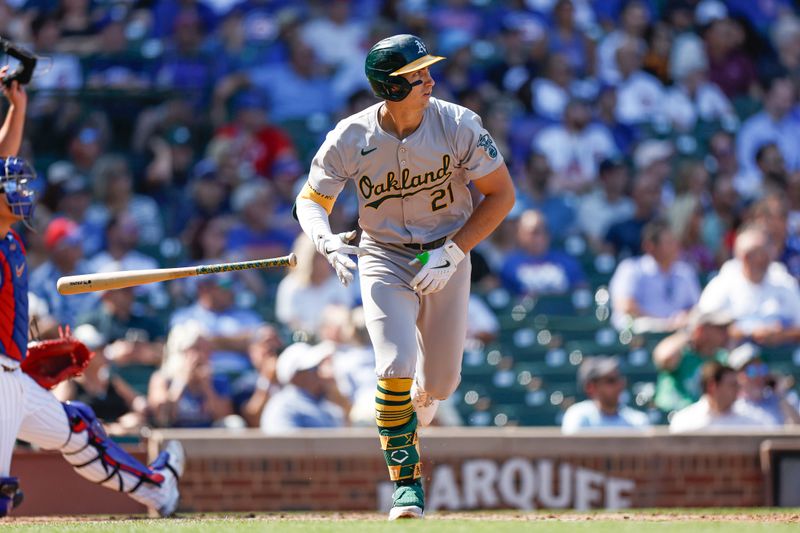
412	190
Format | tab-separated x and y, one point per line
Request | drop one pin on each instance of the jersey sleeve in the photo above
328	174
477	152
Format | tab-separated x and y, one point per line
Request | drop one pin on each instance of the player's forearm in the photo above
485	219
11	132
313	218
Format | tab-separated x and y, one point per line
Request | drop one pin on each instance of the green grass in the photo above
640	521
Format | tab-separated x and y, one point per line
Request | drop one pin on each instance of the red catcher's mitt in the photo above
52	361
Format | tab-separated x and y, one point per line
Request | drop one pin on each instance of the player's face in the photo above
422	92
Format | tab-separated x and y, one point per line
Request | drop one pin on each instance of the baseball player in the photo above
412	158
27	410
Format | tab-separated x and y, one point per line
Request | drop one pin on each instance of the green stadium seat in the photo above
135	375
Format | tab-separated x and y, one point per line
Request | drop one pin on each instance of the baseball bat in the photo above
103	281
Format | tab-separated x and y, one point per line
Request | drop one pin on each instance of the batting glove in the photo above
335	249
437	267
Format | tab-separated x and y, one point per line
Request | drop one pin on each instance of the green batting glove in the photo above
422	258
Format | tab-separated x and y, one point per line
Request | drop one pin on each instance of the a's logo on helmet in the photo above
420	47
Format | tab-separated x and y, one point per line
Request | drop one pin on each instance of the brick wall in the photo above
472	468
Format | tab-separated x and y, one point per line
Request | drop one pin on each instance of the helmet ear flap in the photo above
393	88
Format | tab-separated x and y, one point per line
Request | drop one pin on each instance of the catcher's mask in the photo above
392	57
16	180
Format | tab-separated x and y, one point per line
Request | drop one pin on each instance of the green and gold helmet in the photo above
392	57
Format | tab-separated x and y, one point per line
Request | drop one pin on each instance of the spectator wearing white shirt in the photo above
551	94
307	289
603	384
575	148
762	296
717	409
655	291
640	96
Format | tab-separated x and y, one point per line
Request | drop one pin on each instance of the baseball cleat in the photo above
424	404
171	464
408	501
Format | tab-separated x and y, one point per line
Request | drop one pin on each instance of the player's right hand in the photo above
336	250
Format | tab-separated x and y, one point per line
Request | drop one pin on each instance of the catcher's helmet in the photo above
16	177
391	57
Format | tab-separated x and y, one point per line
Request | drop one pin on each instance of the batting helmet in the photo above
16	177
392	57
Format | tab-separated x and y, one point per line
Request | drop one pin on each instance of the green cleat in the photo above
408	501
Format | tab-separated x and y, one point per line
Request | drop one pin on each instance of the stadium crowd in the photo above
653	144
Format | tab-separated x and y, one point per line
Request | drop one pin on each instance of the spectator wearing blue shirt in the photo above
62	239
603	384
535	269
254	236
310	397
229	328
654	291
185	392
775	124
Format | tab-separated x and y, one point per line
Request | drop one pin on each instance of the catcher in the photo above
28	411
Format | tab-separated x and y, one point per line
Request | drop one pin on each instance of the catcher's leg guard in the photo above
10	494
397	426
99	459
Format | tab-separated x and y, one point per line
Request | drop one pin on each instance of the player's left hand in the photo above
437	267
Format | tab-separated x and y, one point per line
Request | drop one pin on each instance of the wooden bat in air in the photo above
104	281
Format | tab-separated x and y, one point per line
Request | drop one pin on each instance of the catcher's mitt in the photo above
52	361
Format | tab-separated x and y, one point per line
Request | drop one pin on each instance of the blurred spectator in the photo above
256	142
770	170
785	38
534	268
253	235
575	148
482	324
762	296
718	409
606	204
775	124
658	37
567	39
353	360
654	291
310	397
336	25
253	389
114	402
680	357
113	181
62	239
721	218
730	66
185	65
693	98
551	93
115	64
625	237
603	383
640	96
759	388
64	72
537	193
304	89
228	328
185	392
307	289
686	217
625	135
71	196
131	337
633	22
122	235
